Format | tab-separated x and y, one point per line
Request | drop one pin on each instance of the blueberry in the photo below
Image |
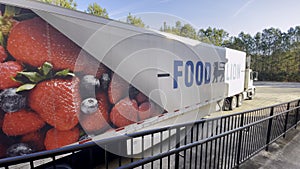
18	149
89	106
90	82
11	101
105	80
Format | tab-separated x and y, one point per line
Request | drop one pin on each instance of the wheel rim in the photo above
240	100
233	102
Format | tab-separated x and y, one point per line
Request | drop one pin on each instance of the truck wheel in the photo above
252	94
226	104
239	100
233	103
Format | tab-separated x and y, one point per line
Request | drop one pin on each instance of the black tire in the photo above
226	104
239	100
252	94
233	103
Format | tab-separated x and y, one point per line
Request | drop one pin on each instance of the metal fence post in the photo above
297	114
177	146
286	119
240	141
269	129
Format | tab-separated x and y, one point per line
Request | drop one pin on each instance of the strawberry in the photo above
57	101
98	121
35	140
118	88
3	54
125	112
56	139
8	70
34	42
21	122
146	110
140	98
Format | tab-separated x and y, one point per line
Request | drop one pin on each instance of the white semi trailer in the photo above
188	79
239	78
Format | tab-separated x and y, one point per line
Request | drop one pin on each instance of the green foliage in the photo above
71	4
275	54
135	21
96	9
186	30
214	36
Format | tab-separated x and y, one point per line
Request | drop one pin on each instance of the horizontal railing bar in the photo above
197	143
79	147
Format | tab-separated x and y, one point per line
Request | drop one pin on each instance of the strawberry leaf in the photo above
46	68
32	76
25	87
65	72
45	72
16	79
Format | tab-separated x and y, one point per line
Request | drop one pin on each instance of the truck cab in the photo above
250	76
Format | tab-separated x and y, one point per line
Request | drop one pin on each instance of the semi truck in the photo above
67	76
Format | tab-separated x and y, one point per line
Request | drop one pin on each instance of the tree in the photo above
177	30
215	36
96	9
135	21
188	31
185	31
71	4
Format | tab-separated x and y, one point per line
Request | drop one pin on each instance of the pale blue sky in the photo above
234	16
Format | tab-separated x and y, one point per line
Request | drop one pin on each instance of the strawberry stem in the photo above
30	79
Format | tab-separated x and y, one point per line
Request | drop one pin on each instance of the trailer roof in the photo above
57	10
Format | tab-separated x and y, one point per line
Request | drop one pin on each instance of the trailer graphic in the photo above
68	77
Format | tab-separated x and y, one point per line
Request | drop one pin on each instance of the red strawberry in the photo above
8	70
21	122
125	112
3	54
34	42
56	139
140	98
97	121
35	139
146	110
118	88
57	101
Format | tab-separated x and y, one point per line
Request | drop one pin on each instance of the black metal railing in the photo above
221	142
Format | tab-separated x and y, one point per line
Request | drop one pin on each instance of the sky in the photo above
234	16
